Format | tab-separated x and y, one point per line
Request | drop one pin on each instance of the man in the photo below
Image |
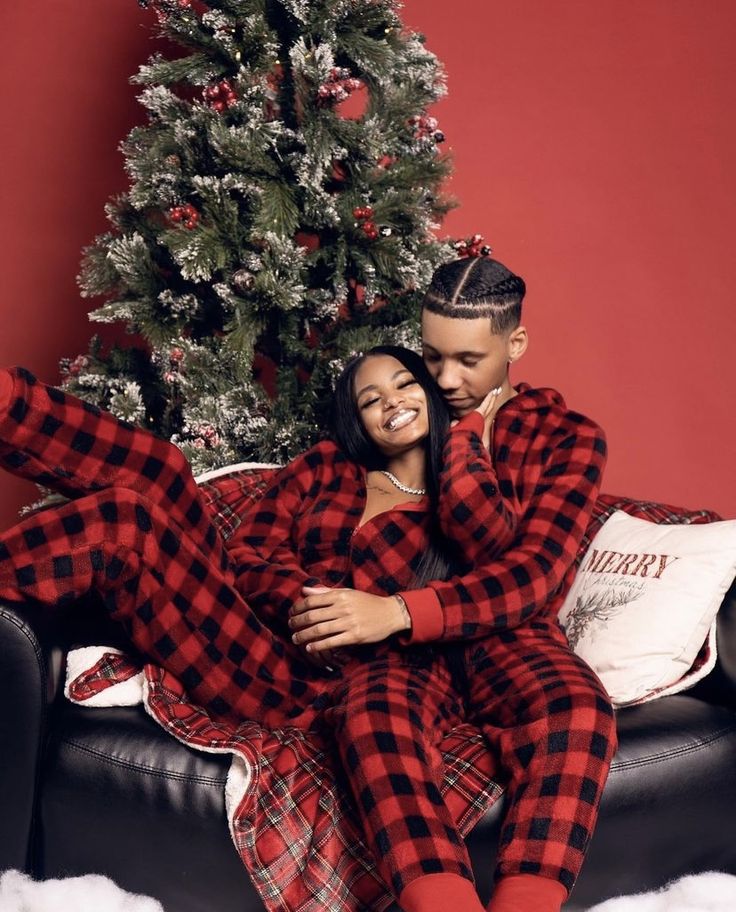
540	707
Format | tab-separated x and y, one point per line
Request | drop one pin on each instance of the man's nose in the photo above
446	378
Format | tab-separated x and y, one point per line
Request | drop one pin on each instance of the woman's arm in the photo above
263	548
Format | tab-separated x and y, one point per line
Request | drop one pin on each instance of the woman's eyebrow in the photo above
372	386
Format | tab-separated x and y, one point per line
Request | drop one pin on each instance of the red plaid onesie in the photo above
137	532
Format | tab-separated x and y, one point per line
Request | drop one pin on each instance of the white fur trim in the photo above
239	778
236	467
79	661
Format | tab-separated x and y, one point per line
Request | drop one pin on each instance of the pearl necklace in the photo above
400	485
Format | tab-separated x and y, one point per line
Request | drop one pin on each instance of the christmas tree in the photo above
283	196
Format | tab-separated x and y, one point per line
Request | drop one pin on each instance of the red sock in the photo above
440	893
527	893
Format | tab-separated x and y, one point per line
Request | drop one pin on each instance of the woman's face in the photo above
391	404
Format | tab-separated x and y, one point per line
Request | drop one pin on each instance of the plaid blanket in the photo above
290	816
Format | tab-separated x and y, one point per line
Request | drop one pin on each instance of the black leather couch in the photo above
107	791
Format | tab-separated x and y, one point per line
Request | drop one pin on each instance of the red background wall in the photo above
594	145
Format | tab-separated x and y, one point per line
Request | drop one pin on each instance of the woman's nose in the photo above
392	401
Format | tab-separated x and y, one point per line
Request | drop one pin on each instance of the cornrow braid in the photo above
477	287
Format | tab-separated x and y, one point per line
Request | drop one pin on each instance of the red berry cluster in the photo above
75	367
339	86
364	215
207	438
172	374
220	96
186	215
472	247
164	8
425	126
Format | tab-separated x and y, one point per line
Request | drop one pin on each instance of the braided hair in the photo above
477	287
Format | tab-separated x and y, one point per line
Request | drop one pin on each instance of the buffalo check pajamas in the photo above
214	613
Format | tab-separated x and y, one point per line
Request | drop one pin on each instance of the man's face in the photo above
465	358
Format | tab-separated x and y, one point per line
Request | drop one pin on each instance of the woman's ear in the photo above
517	343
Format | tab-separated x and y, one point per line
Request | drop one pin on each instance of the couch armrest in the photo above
24	692
720	685
33	642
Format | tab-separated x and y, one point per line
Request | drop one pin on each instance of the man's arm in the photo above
473	513
509	590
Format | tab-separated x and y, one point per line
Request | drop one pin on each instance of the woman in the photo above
345	525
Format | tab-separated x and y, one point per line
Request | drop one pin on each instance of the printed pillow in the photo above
644	602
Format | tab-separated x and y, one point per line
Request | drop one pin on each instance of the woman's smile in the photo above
401	418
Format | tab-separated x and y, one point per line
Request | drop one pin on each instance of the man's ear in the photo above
517	343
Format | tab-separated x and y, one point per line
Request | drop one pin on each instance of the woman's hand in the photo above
488	409
326	619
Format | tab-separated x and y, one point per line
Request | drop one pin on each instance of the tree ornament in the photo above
339	86
369	229
363	212
243	279
310	240
185	215
220	96
424	126
76	366
472	247
386	231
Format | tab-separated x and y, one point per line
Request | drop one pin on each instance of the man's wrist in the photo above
405	616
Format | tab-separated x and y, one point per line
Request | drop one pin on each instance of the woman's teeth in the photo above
400	419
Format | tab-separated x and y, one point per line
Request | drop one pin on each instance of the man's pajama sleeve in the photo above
507	591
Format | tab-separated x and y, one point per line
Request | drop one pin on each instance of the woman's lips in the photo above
400	419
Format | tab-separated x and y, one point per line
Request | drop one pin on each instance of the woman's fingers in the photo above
487	406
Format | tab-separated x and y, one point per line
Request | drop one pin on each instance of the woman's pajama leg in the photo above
388	717
71	446
140	537
178	603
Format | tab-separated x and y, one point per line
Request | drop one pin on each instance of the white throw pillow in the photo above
644	601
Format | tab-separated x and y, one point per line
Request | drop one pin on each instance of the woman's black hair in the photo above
350	435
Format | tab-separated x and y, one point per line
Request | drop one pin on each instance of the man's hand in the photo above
326	619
